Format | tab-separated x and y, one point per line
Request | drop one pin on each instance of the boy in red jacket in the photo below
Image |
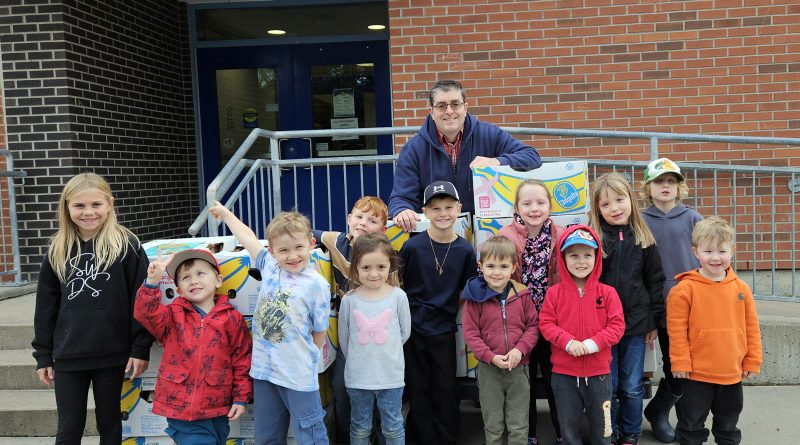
203	378
500	328
582	318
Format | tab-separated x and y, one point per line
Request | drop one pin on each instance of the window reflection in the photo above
343	96
246	99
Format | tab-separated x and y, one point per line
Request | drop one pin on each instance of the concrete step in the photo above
16	322
16	337
18	370
32	413
15	290
87	440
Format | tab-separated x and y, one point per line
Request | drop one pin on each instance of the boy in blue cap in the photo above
582	319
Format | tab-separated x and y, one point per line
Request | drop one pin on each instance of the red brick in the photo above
672	26
742	12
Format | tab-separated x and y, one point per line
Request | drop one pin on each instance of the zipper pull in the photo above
620	234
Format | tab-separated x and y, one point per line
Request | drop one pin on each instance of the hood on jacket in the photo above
675	212
694	275
477	289
594	276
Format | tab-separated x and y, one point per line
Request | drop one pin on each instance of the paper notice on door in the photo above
344	104
344	123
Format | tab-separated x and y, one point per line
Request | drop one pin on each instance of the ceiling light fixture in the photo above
276	32
376	27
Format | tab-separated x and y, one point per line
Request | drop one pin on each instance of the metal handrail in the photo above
233	167
11	174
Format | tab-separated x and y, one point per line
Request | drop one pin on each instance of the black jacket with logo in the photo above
87	322
637	276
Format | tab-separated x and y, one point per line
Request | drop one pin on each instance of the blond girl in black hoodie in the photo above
83	325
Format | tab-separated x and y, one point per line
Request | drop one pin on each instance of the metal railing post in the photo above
275	154
653	148
12	214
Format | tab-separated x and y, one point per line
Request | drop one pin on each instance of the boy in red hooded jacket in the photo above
203	378
582	318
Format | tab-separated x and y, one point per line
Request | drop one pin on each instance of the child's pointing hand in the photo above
157	268
218	211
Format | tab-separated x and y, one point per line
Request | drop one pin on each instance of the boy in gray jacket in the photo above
671	223
501	328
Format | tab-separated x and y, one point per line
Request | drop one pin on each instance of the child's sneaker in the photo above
533	440
615	438
558	441
629	439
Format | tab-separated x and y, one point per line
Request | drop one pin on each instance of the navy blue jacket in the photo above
433	298
423	161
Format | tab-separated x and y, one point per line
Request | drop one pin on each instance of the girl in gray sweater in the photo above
374	322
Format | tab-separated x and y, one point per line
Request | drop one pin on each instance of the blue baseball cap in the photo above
579	236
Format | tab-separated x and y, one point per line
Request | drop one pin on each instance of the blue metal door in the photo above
309	82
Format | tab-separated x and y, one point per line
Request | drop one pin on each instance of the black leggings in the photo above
72	392
675	385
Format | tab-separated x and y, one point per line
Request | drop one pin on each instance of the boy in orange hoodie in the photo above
715	340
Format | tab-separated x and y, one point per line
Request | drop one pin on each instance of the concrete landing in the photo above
90	440
12	291
769	417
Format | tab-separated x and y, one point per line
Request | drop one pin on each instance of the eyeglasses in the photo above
443	107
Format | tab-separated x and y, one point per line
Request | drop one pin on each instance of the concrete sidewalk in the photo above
769	418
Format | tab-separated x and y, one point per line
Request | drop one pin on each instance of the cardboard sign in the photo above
494	188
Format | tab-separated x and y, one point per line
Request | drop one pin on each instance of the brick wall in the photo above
728	67
712	67
101	86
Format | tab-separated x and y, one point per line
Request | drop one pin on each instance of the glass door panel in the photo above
246	99
342	97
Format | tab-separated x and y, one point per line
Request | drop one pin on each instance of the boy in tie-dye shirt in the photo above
289	326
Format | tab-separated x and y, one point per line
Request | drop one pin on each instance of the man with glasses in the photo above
450	143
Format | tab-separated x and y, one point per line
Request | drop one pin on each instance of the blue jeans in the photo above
390	402
271	410
199	432
627	367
